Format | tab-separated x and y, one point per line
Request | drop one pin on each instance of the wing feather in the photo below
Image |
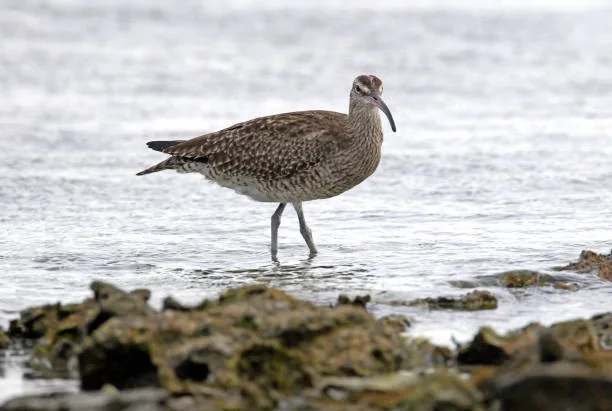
272	147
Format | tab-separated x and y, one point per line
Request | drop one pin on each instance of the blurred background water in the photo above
502	159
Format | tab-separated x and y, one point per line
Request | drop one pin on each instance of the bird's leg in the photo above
276	217
306	233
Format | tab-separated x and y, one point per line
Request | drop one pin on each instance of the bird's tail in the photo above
168	164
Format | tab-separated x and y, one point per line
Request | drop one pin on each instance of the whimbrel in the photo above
290	157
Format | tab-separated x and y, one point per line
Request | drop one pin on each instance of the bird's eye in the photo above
358	89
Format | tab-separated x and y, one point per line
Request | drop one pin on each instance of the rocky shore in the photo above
260	348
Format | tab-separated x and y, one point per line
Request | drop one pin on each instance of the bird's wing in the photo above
269	147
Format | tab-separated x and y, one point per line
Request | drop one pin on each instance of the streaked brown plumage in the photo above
289	157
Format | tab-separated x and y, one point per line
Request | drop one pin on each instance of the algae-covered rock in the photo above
260	348
603	328
578	335
556	386
542	368
440	390
490	348
60	328
113	302
560	285
36	321
518	279
420	354
143	399
5	340
475	300
254	340
591	261
360	300
525	278
400	322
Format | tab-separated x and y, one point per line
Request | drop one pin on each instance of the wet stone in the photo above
151	399
16	328
517	279
141	293
420	353
254	340
440	390
557	386
36	321
65	326
590	261
5	340
259	348
560	285
170	303
524	278
603	327
475	300
114	302
575	337
490	348
400	322
359	301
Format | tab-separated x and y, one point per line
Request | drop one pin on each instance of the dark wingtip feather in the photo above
161	145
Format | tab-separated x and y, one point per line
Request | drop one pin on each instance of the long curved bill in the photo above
383	107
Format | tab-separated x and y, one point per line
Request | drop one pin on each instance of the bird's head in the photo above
367	89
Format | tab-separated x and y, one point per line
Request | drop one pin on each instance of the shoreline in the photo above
260	348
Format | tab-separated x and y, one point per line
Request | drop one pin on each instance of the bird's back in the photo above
265	158
272	147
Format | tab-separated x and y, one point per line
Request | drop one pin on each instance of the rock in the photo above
114	302
148	398
524	278
591	261
5	340
420	353
260	348
490	348
170	303
577	335
437	391
519	279
16	328
542	368
141	293
400	322
36	321
60	329
254	340
556	386
475	300
360	301
560	285
603	327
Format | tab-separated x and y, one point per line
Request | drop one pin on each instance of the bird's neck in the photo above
364	124
365	138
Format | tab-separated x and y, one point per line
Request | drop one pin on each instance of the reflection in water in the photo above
300	277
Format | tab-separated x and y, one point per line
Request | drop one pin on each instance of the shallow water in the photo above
501	159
